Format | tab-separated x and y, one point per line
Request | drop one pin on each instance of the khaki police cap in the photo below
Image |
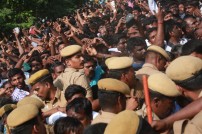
31	100
126	122
6	108
183	68
110	84
22	114
108	60
162	84
159	50
70	50
119	62
36	77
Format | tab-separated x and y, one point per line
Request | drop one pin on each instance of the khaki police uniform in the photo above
72	75
109	84
149	69
59	100
103	117
159	83
181	70
125	122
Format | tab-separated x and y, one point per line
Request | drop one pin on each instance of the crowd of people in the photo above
83	73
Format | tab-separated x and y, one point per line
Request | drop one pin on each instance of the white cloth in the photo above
19	94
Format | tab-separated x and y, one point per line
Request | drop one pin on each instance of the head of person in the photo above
42	84
36	63
17	78
89	66
44	55
72	57
162	93
135	126
5	111
112	95
192	47
157	56
57	68
26	119
172	30
134	29
173	7
198	33
68	125
151	34
9	88
97	128
149	22
136	47
121	68
80	108
191	6
61	46
189	25
181	8
186	72
74	91
120	42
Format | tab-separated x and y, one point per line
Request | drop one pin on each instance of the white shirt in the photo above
19	94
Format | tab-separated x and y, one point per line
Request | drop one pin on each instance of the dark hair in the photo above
135	41
192	46
81	105
88	58
108	99
149	31
73	89
6	82
5	100
169	25
54	65
12	72
117	73
25	128
67	125
193	83
35	58
97	128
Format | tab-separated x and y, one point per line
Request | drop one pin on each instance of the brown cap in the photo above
119	62
126	122
22	114
160	83
110	84
70	50
159	50
183	68
38	76
31	100
6	108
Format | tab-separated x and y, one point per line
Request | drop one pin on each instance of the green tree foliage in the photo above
23	13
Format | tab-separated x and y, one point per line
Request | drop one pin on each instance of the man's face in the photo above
61	47
89	69
42	90
161	64
133	32
58	70
174	9
9	89
76	61
177	32
80	115
36	66
165	107
181	8
190	9
152	37
130	76
192	24
18	81
139	52
102	30
122	45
